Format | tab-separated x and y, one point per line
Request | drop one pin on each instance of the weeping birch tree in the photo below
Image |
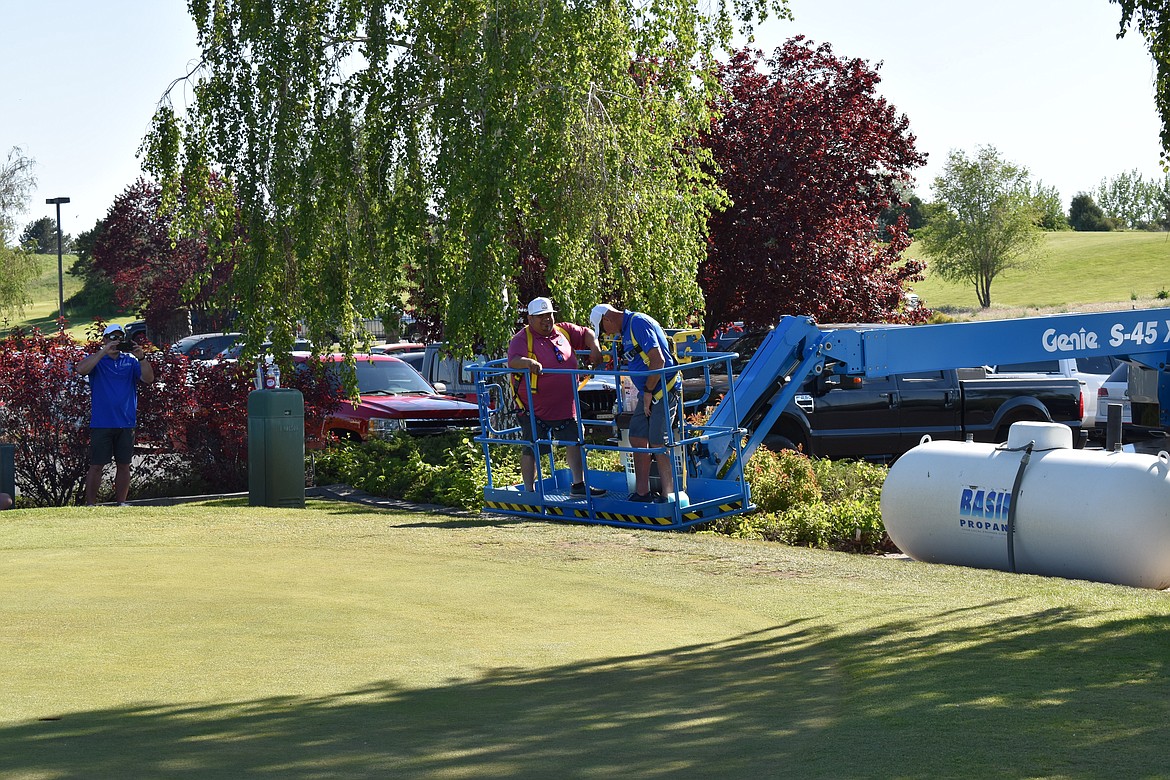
17	267
376	144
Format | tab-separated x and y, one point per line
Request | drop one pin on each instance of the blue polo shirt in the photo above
640	334
113	384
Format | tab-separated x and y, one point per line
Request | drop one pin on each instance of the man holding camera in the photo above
114	372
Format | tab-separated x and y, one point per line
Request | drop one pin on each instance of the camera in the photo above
126	345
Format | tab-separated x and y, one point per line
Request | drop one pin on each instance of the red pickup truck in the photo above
392	397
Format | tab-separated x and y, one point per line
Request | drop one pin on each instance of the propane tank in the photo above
1034	505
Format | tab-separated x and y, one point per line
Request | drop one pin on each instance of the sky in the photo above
1044	81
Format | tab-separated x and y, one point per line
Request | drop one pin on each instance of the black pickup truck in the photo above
882	417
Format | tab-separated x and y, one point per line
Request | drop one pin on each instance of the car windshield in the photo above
745	346
1120	374
204	346
386	377
1097	364
234	352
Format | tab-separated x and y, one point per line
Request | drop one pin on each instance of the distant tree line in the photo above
1128	201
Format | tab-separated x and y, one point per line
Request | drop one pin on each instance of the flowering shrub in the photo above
812	503
195	412
46	415
781	480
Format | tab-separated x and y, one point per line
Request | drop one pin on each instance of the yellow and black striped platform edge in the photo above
562	512
504	506
613	517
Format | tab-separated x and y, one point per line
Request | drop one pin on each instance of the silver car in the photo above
1114	390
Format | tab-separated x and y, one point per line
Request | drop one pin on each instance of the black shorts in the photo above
561	431
107	443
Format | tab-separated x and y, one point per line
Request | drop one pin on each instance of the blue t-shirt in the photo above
113	384
640	334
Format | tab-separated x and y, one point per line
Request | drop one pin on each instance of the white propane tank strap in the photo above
1164	456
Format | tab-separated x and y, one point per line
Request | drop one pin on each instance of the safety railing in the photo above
684	440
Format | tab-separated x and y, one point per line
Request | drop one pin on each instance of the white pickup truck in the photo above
1091	372
451	375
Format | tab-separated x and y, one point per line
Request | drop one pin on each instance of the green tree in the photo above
1085	214
16	182
1050	207
907	203
1133	201
455	137
1152	20
983	220
17	267
40	236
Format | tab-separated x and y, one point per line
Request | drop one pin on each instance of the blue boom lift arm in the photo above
797	349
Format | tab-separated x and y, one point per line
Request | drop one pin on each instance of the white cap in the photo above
599	311
540	306
113	327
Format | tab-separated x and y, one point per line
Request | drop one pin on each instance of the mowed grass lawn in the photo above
1072	271
343	641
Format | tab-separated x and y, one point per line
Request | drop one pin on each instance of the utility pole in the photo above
60	270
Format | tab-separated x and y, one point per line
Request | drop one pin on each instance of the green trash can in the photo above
276	448
8	469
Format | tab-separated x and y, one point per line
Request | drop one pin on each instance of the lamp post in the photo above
60	270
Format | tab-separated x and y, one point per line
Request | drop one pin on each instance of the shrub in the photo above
812	503
195	412
809	503
46	416
842	480
213	434
850	525
780	480
448	469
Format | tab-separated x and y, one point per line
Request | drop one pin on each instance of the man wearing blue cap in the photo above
114	372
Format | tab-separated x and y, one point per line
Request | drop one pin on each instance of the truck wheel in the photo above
778	443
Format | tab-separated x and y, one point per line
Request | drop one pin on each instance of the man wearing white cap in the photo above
114	372
543	344
645	347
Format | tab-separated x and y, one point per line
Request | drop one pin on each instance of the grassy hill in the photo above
1076	271
42	312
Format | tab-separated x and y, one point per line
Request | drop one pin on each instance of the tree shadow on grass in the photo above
1025	696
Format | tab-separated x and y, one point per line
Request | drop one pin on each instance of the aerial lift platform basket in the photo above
686	499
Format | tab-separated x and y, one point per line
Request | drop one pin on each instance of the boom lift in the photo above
709	457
